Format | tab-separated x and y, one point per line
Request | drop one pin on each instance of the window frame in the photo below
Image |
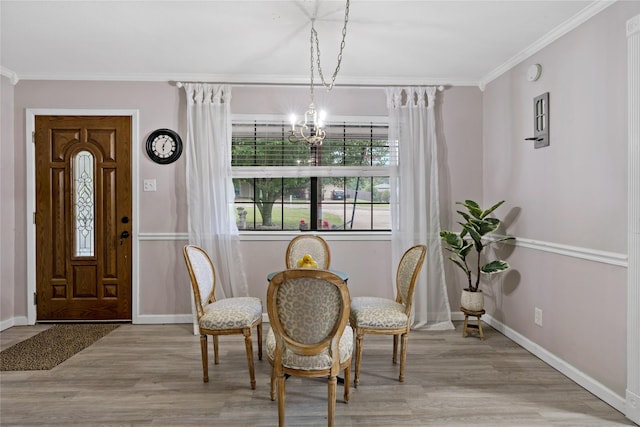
311	172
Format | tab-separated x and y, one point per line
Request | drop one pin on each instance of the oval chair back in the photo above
309	244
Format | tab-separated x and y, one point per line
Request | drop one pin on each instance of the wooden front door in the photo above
83	217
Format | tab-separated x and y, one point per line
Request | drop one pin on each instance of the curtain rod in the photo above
364	86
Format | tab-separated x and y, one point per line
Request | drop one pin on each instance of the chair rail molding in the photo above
632	410
605	257
162	236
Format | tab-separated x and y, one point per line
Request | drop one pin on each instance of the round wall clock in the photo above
164	146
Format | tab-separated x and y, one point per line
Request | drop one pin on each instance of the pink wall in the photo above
164	293
571	193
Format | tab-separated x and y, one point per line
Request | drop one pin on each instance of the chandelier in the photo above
311	128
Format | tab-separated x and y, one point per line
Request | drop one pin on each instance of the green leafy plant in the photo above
476	225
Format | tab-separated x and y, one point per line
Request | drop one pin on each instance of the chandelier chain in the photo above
314	37
311	130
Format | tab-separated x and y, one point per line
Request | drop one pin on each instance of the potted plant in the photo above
476	225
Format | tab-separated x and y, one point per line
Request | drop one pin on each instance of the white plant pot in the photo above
472	301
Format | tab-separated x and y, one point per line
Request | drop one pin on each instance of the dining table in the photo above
341	274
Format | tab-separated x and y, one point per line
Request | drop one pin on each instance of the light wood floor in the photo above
151	375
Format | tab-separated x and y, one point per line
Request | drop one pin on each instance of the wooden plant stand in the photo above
477	327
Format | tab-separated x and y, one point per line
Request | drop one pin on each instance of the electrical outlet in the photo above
538	317
149	185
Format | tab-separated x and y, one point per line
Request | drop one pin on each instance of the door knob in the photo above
125	219
124	234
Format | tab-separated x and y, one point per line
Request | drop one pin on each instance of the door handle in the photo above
124	234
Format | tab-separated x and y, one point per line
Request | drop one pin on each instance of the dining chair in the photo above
309	336
235	315
374	315
309	244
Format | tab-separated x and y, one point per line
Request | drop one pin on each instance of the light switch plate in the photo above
149	185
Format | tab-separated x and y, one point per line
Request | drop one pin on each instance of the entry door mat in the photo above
53	346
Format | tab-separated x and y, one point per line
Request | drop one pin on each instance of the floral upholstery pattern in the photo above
231	313
406	268
378	313
308	317
315	246
320	361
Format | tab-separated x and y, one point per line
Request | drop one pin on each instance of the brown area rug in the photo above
53	346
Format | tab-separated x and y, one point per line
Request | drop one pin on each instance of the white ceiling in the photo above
243	41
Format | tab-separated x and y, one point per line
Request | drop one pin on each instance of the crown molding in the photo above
570	24
11	75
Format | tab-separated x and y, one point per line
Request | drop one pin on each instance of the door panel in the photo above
83	190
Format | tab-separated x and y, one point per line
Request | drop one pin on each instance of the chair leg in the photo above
259	341
395	349
403	355
273	383
216	359
347	382
281	399
249	347
205	358
332	399
359	340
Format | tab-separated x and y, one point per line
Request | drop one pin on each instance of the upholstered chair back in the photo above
407	273
204	285
308	311
304	244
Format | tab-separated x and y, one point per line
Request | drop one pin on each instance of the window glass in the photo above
83	203
341	185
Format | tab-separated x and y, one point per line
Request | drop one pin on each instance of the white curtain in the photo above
415	206
210	193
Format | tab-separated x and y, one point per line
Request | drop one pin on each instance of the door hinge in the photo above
34	217
35	298
33	137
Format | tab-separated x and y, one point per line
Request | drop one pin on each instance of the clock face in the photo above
164	146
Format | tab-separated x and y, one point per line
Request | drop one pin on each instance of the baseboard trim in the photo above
14	321
579	377
633	407
159	319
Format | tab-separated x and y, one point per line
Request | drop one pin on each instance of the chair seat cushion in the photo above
320	361
231	313
378	313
